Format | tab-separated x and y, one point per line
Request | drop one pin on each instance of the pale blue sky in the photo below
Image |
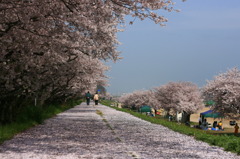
198	43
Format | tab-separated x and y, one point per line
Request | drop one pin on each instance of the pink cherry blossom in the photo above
224	91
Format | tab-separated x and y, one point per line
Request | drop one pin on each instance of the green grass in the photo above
228	142
32	116
107	102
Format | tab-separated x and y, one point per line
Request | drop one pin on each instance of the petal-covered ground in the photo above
101	132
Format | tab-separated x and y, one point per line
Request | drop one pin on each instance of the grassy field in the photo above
226	140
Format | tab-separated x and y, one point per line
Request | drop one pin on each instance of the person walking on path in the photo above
88	97
236	129
96	98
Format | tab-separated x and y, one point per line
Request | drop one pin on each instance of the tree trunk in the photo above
185	117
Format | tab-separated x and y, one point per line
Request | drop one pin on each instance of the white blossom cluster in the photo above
180	96
176	96
139	98
224	90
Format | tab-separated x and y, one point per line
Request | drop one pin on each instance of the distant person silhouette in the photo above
88	97
96	98
236	128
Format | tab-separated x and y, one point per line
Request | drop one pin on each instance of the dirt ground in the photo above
228	128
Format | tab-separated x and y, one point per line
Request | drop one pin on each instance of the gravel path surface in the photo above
83	132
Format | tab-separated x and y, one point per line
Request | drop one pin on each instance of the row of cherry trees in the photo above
46	80
173	96
53	49
186	97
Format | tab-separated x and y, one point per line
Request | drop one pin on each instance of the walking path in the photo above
99	132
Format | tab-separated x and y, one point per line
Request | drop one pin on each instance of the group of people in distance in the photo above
88	97
203	124
217	126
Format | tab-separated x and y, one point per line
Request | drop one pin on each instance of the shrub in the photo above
30	113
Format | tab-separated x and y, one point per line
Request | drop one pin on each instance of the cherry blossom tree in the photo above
224	91
132	100
87	27
48	81
180	97
140	98
51	49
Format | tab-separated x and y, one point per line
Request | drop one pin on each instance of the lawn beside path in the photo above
102	132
